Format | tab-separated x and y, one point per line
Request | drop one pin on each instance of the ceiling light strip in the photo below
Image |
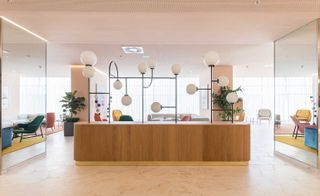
23	28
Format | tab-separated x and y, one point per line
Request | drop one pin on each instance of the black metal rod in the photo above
203	89
126	85
150	80
211	100
168	107
232	112
98	93
142	97
176	98
89	107
137	77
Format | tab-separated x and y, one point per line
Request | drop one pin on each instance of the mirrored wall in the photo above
296	94
23	89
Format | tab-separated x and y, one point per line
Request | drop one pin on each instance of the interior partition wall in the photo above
23	92
296	84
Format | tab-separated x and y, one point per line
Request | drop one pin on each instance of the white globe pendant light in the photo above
126	100
191	89
88	71
232	97
223	81
152	63
211	58
156	107
176	69
117	84
88	58
142	67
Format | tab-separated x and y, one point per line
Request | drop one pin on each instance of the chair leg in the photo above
294	131
41	131
21	136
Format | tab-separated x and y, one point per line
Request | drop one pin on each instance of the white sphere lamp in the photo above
176	69
232	97
211	58
223	81
191	89
142	67
117	84
156	107
152	64
126	100
88	71
88	58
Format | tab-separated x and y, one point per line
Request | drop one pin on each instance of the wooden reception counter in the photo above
162	144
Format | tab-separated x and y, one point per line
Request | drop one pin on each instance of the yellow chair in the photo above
303	115
116	114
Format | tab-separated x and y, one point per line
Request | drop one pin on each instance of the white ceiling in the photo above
178	31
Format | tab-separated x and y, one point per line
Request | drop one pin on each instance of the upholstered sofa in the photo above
171	117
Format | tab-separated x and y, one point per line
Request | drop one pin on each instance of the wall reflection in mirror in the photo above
296	94
23	95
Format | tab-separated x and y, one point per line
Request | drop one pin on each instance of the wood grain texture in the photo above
157	142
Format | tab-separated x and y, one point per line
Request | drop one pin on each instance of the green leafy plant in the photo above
72	105
220	100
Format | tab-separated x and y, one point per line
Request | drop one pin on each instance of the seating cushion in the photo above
6	134
311	138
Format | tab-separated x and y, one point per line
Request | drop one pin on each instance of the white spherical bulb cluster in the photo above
232	97
211	58
88	71
176	69
156	107
117	84
126	100
191	89
88	58
223	81
152	63
142	67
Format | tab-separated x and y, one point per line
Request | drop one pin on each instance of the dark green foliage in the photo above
72	105
220	100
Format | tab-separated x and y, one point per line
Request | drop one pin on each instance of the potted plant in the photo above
221	101
71	105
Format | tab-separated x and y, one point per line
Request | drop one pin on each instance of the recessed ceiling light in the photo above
132	49
145	56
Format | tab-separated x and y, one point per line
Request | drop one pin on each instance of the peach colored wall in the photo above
80	84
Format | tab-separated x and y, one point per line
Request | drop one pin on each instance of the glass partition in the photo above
23	88
296	94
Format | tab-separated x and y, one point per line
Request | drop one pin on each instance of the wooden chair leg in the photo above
41	131
294	131
21	136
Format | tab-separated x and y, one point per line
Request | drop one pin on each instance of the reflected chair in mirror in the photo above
50	121
264	114
97	117
116	114
277	120
125	118
240	117
303	115
300	127
28	129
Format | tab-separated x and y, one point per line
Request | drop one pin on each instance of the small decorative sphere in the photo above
223	81
176	69
126	100
211	58
156	107
152	63
191	89
88	58
142	67
232	97
117	84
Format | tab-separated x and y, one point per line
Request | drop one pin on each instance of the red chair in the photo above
50	121
300	126
186	118
98	118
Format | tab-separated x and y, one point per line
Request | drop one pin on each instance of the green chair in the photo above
125	118
28	128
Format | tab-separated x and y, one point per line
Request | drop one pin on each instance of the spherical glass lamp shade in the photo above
88	71
152	63
117	84
156	107
142	67
223	81
176	69
126	100
88	58
192	89
232	97
211	58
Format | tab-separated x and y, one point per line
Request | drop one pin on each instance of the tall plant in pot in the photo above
71	105
220	99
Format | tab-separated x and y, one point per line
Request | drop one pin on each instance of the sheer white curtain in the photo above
162	91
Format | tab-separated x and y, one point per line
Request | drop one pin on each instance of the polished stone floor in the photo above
267	174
